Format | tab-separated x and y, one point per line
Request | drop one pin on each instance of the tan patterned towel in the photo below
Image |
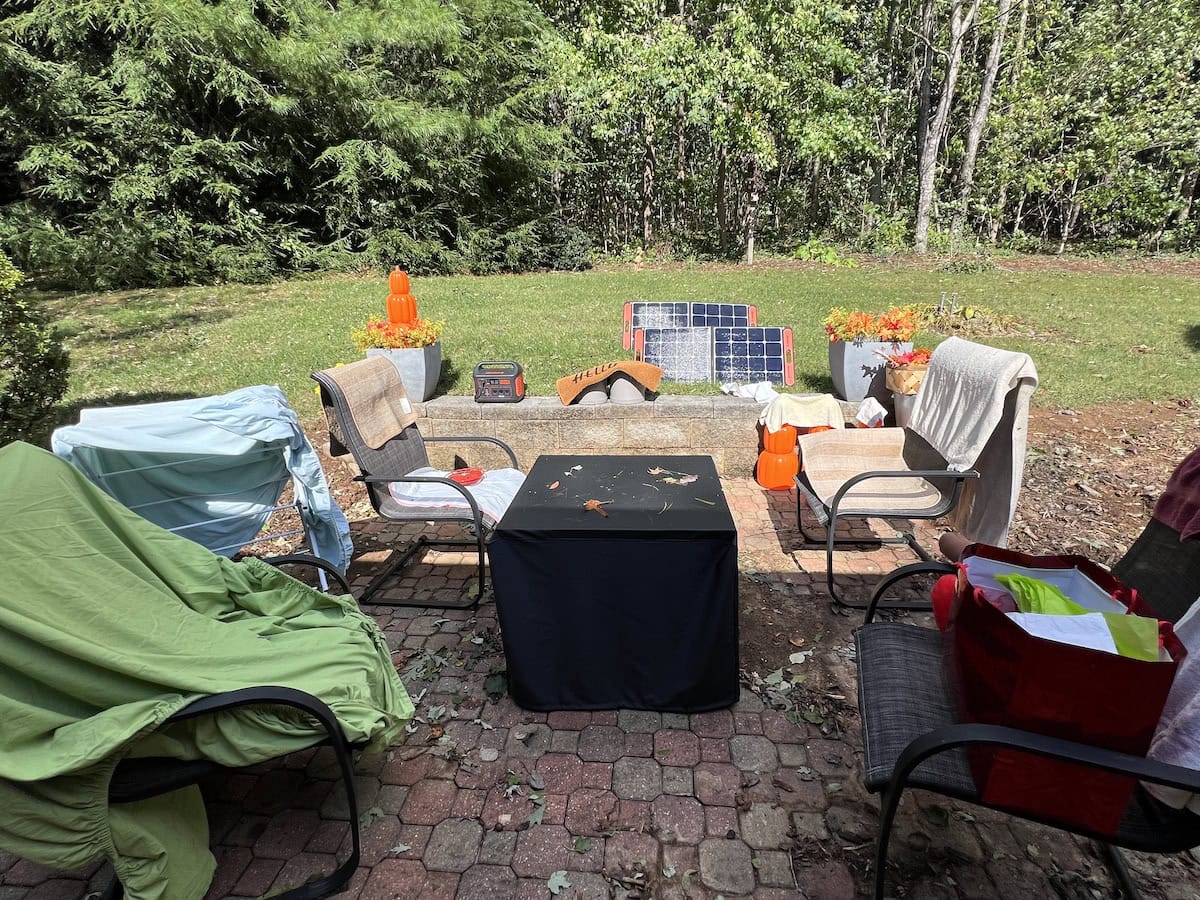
570	387
378	403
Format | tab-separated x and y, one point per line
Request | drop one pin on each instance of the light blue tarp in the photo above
210	469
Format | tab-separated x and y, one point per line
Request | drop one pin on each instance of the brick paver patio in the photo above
489	801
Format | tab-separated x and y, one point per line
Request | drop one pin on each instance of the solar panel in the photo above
753	354
684	314
722	354
684	354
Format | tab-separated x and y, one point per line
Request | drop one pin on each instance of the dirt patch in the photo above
1092	476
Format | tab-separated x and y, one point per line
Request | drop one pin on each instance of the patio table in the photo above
634	607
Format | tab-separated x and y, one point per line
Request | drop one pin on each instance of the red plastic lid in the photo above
469	475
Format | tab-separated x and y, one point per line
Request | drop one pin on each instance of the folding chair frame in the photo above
833	511
475	520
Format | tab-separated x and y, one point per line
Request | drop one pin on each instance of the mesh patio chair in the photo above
970	421
912	737
402	453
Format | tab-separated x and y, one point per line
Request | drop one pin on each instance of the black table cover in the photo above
634	609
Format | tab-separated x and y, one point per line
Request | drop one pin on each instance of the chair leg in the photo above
402	559
887	816
1116	864
831	542
114	890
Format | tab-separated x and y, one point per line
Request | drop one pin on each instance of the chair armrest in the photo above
479	440
275	695
896	575
950	737
428	479
307	559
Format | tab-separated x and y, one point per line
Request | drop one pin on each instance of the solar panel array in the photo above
685	314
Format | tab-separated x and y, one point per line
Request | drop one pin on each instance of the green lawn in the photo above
1099	337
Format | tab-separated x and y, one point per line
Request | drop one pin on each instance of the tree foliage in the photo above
152	141
161	141
33	363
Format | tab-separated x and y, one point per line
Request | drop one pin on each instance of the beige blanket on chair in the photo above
375	394
973	408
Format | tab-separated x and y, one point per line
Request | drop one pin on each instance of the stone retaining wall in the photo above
724	428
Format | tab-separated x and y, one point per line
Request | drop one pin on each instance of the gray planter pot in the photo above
904	407
857	368
419	368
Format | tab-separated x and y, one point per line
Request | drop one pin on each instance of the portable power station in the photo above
499	382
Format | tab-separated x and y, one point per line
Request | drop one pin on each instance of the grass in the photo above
1097	337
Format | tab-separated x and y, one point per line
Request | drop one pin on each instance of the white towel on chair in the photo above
1177	738
493	493
971	393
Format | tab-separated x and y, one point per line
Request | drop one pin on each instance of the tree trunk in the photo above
680	207
966	172
1018	58
722	212
927	164
1188	196
928	35
1072	216
876	195
752	199
648	184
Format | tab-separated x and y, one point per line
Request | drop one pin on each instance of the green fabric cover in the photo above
108	625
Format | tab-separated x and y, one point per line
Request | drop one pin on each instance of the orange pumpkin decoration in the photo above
775	471
781	441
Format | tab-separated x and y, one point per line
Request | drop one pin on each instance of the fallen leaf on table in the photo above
796	641
554	486
597	506
688	479
657	470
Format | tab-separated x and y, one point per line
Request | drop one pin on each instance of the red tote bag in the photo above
1006	676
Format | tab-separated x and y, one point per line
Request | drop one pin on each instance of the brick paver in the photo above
749	801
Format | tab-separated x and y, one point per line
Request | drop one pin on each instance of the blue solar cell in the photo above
774	348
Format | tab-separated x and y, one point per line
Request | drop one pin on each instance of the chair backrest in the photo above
398	456
1163	569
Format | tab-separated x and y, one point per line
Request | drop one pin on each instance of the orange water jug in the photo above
781	441
775	471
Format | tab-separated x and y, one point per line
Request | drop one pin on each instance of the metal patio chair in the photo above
895	473
912	737
402	453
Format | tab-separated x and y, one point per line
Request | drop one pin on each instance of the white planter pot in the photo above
419	368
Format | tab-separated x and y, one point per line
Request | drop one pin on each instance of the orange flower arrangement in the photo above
897	325
918	357
382	334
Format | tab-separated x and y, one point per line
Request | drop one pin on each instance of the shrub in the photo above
817	251
33	363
